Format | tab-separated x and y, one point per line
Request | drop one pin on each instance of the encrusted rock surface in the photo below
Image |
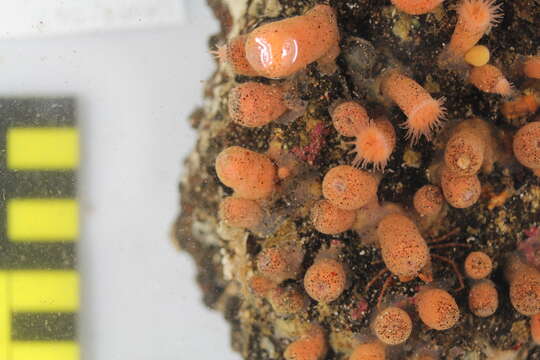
374	36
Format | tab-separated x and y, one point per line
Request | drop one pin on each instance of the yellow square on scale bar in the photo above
42	219
44	290
45	148
44	350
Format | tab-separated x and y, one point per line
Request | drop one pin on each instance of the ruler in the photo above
39	227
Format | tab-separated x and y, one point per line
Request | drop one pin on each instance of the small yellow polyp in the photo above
44	291
46	148
42	220
50	350
477	56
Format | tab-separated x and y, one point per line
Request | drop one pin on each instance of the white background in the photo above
135	86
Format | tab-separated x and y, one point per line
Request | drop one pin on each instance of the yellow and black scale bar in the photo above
39	227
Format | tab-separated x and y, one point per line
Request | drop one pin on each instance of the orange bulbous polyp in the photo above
250	174
392	326
287	301
234	53
349	188
424	114
349	117
478	265
464	152
261	285
416	7
403	249
477	150
240	212
253	104
329	219
311	346
437	309
425	357
535	328
490	79
524	286
325	280
475	18
369	351
281	48
526	145
520	107
483	299
280	263
531	67
428	200
525	295
460	191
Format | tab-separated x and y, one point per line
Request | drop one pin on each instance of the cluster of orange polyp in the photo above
345	197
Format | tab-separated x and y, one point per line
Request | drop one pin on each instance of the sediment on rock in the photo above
374	36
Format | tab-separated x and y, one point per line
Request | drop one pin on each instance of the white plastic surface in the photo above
49	17
135	90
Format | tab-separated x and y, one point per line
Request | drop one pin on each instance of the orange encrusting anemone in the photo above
349	188
374	144
253	104
234	53
535	328
490	79
261	285
329	219
524	286
250	174
428	200
464	152
281	48
520	107
280	263
478	151
424	114
460	191
310	346
437	308
475	18
483	298
369	351
416	7
478	265
425	357
240	212
349	117
287	301
392	326
325	280
526	145
531	67
403	249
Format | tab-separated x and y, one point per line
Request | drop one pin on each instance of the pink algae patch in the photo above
310	152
